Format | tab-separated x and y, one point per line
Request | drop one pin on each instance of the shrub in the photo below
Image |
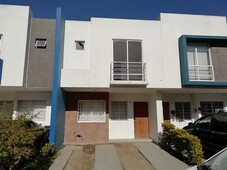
23	142
181	144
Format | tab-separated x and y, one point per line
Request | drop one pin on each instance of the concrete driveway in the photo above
116	156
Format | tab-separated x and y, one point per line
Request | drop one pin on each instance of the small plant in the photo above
181	144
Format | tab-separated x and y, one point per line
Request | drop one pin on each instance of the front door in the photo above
166	111
141	119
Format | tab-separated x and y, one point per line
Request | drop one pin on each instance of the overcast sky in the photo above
131	9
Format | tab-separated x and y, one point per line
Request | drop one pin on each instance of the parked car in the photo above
211	130
216	162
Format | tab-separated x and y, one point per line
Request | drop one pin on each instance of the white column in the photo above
156	115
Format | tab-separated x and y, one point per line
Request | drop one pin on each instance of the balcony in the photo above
128	73
201	72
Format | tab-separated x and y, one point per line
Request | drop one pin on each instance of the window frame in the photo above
126	114
127	49
1	44
91	121
196	47
77	42
33	109
183	109
212	106
37	45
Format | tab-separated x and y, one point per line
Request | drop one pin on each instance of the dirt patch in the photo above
82	158
131	158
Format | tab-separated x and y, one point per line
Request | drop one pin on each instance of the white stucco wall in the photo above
15	96
94	68
175	25
159	47
14	29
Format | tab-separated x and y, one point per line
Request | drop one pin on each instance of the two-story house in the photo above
26	62
122	78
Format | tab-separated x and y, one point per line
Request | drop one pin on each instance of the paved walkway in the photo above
112	157
106	158
160	159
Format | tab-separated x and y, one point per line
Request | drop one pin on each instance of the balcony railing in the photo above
201	72
128	71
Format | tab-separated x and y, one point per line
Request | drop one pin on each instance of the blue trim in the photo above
58	99
1	65
183	43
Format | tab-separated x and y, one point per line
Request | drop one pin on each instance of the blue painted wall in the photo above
1	65
58	95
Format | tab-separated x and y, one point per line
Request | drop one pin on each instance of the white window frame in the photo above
126	102
42	45
196	46
91	121
33	110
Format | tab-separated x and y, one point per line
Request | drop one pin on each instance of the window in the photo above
79	45
203	123
127	57
40	43
119	110
199	62
211	107
183	110
35	107
6	109
91	110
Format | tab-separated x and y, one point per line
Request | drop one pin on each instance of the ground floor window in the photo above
35	107
6	109
119	110
211	107
182	110
91	110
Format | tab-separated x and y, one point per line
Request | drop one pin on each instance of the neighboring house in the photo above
122	78
26	62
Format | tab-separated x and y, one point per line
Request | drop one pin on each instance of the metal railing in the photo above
128	71
201	72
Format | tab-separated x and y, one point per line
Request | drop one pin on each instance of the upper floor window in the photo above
127	60
79	45
199	62
40	43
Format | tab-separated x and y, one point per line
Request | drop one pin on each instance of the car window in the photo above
219	123
218	162
203	123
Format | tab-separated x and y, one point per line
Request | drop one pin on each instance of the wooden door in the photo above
141	119
166	111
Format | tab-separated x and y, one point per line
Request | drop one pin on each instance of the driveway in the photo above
117	156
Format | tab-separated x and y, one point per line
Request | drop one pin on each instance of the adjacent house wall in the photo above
15	30
40	61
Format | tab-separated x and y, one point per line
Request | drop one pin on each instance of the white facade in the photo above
89	69
14	29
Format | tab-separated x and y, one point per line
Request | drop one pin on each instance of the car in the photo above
211	130
216	162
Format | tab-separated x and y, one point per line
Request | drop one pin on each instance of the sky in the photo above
130	9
